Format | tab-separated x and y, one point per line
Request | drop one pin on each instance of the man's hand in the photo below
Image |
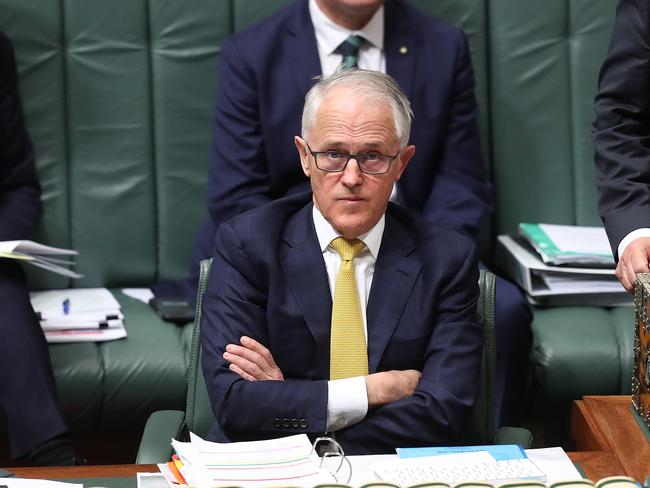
634	260
390	386
252	361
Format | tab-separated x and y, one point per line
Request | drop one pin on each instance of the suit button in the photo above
303	424
294	423
277	423
286	423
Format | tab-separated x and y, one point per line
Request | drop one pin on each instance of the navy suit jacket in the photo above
265	73
269	281
20	197
622	124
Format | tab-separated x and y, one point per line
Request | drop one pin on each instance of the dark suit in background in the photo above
269	282
621	128
27	391
265	73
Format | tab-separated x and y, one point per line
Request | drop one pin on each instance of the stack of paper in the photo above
569	244
287	461
558	285
40	255
79	315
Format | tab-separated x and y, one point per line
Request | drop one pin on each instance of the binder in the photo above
558	285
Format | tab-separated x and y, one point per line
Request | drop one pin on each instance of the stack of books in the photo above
79	315
562	265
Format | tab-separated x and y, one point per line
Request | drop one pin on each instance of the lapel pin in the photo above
403	50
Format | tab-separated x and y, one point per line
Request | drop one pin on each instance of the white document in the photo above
60	304
578	239
142	294
34	483
555	463
40	255
84	335
152	480
287	461
569	244
457	468
33	248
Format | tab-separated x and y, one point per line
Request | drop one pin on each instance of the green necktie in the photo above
348	351
349	49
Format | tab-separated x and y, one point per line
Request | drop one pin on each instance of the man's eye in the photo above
372	157
335	155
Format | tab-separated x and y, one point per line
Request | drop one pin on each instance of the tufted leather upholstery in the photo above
118	98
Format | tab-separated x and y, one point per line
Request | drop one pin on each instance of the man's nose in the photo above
352	174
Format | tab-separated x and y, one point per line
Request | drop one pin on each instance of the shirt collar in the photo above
326	233
330	35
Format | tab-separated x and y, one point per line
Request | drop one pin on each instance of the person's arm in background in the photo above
621	134
461	194
20	202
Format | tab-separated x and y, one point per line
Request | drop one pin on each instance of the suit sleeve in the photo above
442	402
621	128
20	204
461	194
235	305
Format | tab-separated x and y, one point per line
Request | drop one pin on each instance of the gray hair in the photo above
367	83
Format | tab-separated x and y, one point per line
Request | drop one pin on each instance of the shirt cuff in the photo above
635	234
347	402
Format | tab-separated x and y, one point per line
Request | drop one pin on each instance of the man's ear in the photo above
403	159
301	146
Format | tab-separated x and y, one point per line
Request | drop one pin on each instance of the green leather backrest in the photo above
118	98
544	62
199	416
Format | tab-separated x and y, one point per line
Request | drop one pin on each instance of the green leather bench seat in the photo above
118	99
544	64
119	383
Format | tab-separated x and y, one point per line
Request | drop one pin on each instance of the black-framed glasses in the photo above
370	163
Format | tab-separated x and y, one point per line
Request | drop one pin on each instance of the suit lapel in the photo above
303	265
396	270
400	46
301	54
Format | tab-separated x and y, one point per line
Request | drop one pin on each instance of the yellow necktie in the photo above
348	352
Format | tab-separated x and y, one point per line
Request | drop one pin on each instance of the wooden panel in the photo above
606	423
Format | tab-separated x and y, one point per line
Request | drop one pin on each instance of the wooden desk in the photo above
606	423
596	465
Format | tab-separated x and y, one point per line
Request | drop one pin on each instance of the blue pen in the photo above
66	306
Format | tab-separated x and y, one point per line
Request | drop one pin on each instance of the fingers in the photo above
243	361
252	361
622	276
258	348
236	369
634	260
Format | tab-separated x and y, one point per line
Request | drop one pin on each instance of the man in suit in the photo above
620	132
37	430
273	357
265	72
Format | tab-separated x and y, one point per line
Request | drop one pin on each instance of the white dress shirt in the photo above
347	399
627	240
330	35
